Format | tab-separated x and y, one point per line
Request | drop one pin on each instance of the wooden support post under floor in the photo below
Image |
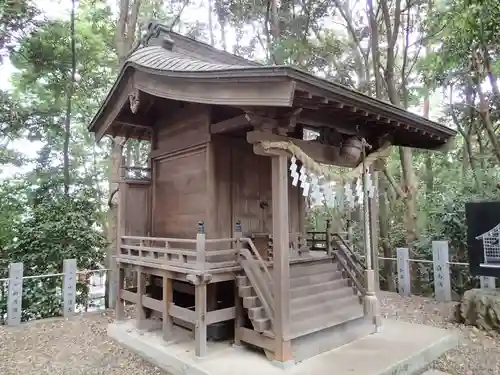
200	296
200	329
141	290
281	269
167	324
120	284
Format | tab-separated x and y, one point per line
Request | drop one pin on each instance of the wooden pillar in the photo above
167	324
141	290
281	268
374	229
200	294
239	319
120	284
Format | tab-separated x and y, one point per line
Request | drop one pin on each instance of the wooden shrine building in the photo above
212	234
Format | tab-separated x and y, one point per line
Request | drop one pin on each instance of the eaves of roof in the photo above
153	62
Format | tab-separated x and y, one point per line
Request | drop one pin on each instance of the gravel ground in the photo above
80	346
478	353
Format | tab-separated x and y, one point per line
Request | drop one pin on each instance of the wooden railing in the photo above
136	173
350	262
258	273
179	252
316	241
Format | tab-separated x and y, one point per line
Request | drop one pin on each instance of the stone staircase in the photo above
321	298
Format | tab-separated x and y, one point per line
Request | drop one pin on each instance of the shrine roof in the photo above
159	58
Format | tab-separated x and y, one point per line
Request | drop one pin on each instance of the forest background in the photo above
438	58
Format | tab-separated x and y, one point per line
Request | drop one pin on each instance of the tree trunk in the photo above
69	97
210	23
124	40
429	173
389	265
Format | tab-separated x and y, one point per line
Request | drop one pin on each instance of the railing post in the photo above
487	282
328	237
404	282
15	296
69	287
440	259
200	246
200	291
239	320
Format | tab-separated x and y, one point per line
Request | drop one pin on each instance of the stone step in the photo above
435	372
326	296
327	315
311	289
327	307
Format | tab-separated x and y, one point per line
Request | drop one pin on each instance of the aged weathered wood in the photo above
180	189
257	339
276	92
229	125
281	271
202	167
128	296
221	315
200	329
182	313
374	228
167	300
152	303
113	109
141	290
321	153
120	284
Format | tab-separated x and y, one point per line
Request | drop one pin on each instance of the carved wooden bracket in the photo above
133	99
199	279
281	124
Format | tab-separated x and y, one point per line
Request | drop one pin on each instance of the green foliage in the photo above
56	228
16	16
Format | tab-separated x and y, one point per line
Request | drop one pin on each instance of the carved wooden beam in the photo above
321	153
232	124
312	119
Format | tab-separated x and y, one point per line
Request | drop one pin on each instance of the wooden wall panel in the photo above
136	211
219	209
187	127
180	193
243	188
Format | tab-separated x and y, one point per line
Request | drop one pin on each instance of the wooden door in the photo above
251	189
